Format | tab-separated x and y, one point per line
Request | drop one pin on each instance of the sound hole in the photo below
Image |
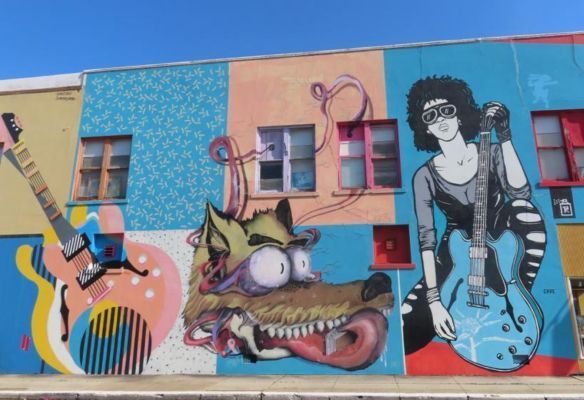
117	341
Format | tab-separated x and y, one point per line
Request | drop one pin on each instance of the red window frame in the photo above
570	143
391	247
343	128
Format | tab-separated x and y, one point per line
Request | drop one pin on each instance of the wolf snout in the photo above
377	284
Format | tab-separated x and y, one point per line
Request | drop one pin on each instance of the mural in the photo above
198	270
103	301
475	293
253	291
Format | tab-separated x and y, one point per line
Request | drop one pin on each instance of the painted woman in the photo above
445	120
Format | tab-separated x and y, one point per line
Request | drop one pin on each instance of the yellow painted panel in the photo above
50	120
571	239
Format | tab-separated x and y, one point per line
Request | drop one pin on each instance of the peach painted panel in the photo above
276	92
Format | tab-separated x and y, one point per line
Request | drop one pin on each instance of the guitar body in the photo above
504	335
116	333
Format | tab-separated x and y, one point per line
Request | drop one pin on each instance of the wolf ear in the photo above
216	240
284	214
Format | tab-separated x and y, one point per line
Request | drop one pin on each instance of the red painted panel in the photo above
425	362
391	244
573	123
560	39
348	132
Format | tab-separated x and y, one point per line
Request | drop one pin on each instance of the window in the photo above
560	146
286	163
103	168
391	247
577	288
369	156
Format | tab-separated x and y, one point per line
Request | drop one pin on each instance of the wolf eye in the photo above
270	267
300	263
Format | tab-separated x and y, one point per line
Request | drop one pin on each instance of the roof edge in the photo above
41	83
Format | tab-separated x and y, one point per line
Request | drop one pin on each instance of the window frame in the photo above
407	244
568	148
368	156
286	160
105	167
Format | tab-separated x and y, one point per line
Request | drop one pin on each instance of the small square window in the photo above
369	156
102	169
286	162
391	247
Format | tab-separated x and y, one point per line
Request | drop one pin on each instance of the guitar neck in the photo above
481	192
42	193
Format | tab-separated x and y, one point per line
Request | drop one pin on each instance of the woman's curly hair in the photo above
457	92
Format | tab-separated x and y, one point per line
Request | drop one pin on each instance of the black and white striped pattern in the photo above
90	274
75	245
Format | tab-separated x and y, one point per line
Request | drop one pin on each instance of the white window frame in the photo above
286	175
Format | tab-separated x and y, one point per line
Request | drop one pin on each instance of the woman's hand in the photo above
443	323
496	115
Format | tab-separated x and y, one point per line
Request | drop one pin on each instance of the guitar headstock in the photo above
10	131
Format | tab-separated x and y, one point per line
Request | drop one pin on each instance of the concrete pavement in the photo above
288	387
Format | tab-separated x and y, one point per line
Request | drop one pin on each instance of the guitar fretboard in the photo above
41	190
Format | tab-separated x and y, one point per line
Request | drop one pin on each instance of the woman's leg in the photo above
524	219
418	328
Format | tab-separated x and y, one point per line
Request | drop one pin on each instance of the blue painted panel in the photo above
505	73
172	114
17	298
343	254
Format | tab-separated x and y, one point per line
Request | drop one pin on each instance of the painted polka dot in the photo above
142	259
135	280
156	272
149	293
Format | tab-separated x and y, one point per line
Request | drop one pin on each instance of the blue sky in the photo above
60	36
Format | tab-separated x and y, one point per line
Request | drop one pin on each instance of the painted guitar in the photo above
497	320
106	316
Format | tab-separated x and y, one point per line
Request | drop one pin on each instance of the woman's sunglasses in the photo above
431	114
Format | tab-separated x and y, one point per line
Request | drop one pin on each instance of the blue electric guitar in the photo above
497	320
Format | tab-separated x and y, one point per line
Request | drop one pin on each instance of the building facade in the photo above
401	210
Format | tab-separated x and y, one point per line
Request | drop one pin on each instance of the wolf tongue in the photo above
355	345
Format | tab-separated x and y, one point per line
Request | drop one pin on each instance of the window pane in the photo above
120	155
548	131
383	140
89	184
553	164
272	140
301	143
271	176
354	148
385	172
92	154
302	174
116	186
579	155
352	173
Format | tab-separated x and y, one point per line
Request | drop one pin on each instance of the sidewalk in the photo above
285	387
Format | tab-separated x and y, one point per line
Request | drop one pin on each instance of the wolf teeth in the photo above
320	326
344	319
330	324
303	331
280	332
296	333
310	329
271	331
288	332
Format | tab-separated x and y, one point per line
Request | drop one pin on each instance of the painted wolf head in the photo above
252	292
